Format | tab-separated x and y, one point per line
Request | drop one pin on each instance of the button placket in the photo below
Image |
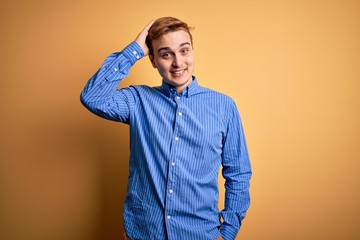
170	182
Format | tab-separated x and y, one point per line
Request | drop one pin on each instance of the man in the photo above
180	135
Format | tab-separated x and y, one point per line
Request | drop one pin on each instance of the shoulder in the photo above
144	91
143	88
216	95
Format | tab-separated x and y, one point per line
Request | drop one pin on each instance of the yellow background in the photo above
293	68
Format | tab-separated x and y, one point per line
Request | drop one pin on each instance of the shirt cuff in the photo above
228	232
133	52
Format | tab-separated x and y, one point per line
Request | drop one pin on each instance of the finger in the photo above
149	25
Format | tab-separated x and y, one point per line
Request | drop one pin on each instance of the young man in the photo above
180	135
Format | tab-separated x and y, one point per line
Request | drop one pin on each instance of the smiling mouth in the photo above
177	72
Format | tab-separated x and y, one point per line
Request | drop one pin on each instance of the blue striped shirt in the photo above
177	144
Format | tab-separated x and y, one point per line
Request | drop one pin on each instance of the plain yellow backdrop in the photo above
293	68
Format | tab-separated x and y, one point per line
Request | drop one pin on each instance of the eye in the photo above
165	55
184	51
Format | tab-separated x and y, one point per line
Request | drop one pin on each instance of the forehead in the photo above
172	40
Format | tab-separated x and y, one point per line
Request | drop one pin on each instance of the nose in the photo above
177	61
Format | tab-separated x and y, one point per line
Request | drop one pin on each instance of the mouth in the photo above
177	72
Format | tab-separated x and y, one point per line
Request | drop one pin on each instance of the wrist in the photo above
133	52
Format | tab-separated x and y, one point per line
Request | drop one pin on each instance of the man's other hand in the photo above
141	38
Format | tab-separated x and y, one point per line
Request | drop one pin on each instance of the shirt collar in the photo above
190	90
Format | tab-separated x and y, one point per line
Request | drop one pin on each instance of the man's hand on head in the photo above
141	38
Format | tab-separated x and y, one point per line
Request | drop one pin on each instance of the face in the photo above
174	59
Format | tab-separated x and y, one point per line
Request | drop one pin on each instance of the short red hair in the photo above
164	25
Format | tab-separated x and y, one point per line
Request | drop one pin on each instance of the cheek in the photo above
190	64
161	66
190	61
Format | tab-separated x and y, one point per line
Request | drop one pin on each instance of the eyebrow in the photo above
167	48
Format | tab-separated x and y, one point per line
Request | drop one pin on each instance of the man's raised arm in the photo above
100	94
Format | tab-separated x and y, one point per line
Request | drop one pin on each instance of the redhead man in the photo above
180	135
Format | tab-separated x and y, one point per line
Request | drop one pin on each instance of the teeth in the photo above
177	72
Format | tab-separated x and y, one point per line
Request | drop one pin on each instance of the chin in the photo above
183	80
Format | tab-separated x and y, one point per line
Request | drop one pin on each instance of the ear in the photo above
151	57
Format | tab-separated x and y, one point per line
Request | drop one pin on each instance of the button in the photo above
116	69
177	138
177	97
134	52
168	217
180	114
173	164
170	191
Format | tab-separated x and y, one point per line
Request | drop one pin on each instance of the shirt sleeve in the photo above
101	95
237	173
